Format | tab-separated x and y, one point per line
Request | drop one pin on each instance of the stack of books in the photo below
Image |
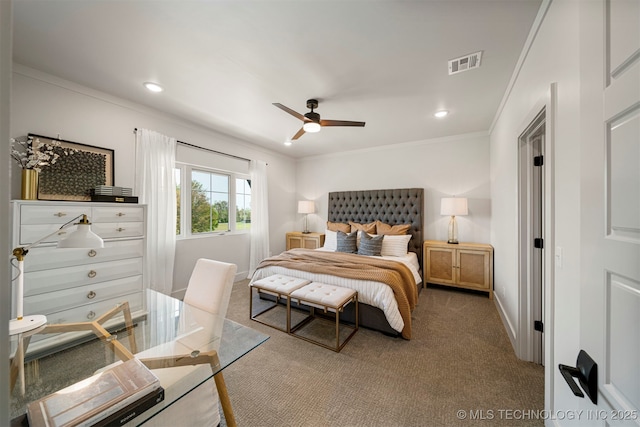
109	193
108	399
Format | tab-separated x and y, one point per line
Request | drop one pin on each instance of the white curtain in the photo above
155	186
259	214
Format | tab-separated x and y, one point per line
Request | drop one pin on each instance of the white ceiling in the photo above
223	63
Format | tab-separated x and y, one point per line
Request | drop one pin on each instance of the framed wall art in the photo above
73	176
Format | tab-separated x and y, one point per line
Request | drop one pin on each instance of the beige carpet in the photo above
458	370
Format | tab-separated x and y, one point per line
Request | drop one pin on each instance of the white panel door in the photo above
610	207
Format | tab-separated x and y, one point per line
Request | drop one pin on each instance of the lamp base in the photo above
306	232
26	324
452	242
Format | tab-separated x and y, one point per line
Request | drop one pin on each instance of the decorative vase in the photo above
29	184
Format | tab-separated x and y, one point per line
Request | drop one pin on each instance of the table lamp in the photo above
453	206
82	237
306	207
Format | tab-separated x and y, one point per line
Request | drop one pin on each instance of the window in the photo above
215	202
243	204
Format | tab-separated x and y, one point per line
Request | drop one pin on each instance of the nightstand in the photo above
298	239
462	265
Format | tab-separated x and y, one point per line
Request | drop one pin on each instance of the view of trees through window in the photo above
243	204
210	197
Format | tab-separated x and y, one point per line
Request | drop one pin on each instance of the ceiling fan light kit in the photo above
312	122
311	127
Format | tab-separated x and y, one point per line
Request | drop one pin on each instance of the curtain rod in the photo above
208	149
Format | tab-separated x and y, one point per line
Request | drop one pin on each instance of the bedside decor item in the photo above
453	206
83	237
306	207
32	155
73	177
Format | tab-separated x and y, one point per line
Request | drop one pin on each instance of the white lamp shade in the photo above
306	206
83	237
311	127
454	206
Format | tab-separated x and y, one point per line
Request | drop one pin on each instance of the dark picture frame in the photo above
73	176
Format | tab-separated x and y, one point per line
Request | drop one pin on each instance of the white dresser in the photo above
77	285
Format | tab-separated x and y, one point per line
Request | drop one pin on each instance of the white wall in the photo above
46	105
5	225
554	57
456	165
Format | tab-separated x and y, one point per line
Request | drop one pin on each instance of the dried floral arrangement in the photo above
31	153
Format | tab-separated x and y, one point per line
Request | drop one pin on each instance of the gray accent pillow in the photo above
347	242
370	245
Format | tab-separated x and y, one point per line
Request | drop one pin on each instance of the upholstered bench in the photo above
328	298
279	286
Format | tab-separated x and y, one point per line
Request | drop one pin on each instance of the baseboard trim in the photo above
507	324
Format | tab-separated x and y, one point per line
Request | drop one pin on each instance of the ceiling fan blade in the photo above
340	123
290	111
298	134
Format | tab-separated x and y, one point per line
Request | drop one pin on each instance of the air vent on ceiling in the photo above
465	63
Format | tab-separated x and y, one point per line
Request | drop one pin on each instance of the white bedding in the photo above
376	294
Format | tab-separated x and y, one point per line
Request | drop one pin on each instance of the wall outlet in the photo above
504	291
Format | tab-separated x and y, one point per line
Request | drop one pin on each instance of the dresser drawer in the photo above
38	282
49	257
34	232
52	302
117	214
85	313
110	230
49	214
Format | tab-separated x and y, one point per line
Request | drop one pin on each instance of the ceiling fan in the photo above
312	120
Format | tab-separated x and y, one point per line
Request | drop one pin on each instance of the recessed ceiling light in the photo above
287	143
153	87
441	113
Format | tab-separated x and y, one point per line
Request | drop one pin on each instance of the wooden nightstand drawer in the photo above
298	239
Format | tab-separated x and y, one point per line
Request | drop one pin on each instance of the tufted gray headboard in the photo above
397	206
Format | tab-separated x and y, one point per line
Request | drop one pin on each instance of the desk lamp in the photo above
453	206
82	237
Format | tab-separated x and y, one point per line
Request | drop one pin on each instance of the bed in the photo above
382	305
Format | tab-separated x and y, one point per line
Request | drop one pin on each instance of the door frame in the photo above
548	102
530	218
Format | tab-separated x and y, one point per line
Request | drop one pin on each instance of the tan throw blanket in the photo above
352	266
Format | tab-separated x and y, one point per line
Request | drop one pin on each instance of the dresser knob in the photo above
92	253
91	295
60	233
59	214
92	274
119	229
91	315
120	214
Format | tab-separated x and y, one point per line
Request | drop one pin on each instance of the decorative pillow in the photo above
330	240
370	245
394	245
347	242
367	228
382	228
338	226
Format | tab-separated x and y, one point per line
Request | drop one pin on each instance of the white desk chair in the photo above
209	289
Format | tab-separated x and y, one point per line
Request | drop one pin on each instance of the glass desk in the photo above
170	334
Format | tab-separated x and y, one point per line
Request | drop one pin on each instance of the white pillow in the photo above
330	240
395	245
